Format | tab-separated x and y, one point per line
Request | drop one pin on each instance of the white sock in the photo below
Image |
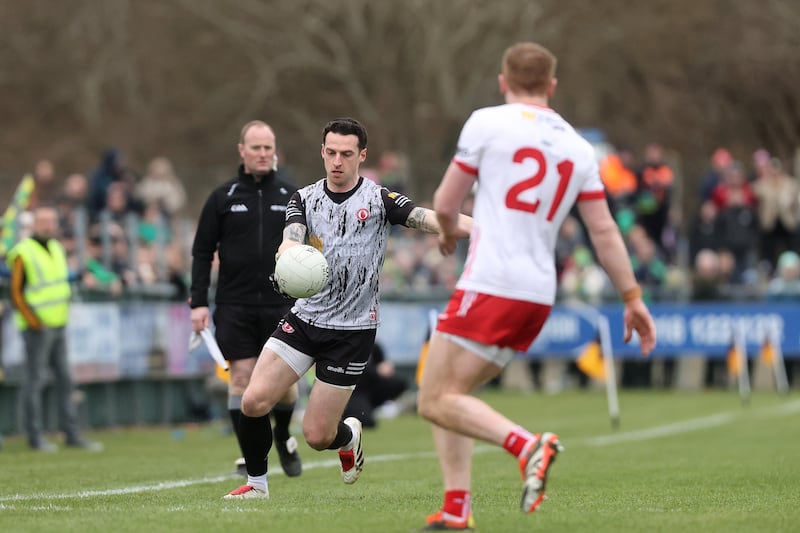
259	482
349	445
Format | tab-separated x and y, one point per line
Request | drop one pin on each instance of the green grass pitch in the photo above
679	462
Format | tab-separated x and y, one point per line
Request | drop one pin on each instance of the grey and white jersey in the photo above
351	229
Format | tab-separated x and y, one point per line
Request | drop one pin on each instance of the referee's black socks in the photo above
283	418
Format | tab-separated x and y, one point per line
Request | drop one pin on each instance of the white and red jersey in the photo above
532	166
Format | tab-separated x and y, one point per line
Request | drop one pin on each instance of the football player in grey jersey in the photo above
348	218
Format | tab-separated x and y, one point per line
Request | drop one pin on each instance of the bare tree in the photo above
179	77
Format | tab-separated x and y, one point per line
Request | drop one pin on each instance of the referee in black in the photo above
243	221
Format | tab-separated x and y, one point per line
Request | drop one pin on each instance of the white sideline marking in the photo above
787	408
164	485
693	424
667	430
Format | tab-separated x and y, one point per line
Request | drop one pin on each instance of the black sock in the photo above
283	417
236	415
343	436
256	440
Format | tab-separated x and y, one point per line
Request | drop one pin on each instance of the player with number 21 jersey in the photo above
532	166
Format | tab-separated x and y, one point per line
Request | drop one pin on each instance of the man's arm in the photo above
293	234
18	295
206	240
426	220
296	228
205	244
449	197
613	256
608	244
447	202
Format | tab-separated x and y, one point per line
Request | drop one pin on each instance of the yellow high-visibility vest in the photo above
46	289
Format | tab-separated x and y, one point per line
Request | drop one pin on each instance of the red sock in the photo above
457	503
517	441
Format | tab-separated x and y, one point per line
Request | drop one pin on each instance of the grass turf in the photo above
679	462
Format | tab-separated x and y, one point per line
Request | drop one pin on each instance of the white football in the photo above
301	271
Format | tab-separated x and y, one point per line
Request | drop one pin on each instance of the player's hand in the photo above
637	318
447	244
277	287
200	319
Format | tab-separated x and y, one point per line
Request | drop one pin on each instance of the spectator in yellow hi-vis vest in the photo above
40	293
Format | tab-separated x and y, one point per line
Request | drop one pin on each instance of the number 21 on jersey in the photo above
513	200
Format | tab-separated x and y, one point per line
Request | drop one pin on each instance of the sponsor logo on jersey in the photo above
232	189
337	369
283	191
286	327
238	208
530	115
373	314
362	214
277	208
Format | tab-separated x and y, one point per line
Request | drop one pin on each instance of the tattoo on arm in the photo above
295	232
423	219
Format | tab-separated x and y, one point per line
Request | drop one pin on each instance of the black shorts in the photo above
340	355
242	330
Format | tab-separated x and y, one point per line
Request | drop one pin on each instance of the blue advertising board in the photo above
710	328
113	341
696	329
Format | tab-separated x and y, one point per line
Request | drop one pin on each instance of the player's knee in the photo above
254	406
426	407
317	438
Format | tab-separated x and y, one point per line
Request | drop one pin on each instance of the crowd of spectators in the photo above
125	234
739	244
130	234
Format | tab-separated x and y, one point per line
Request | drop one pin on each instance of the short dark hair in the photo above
346	126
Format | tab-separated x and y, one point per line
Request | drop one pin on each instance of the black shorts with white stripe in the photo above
340	355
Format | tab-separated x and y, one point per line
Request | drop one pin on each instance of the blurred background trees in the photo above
179	77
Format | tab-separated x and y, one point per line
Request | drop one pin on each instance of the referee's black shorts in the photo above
242	330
